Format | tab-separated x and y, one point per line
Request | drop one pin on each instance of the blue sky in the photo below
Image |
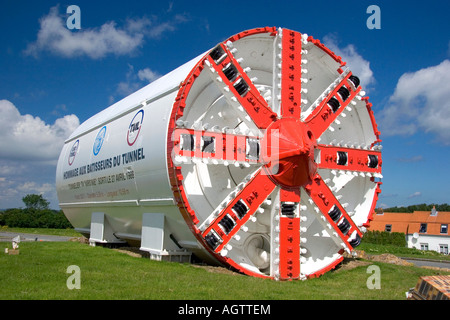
53	78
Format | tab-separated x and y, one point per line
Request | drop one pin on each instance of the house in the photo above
424	230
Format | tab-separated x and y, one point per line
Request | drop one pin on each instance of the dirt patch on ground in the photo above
351	263
83	240
215	269
132	251
385	257
360	258
390	258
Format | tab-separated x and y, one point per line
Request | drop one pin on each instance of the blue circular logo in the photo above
99	140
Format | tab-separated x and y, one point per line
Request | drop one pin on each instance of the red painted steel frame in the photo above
253	195
291	66
358	159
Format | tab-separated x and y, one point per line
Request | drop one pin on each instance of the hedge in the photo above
32	218
386	238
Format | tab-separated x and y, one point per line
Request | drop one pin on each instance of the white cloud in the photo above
421	101
130	84
355	62
5	169
148	75
415	195
33	187
134	81
412	159
9	197
25	137
55	37
29	150
37	180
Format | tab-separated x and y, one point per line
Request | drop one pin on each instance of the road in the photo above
8	236
429	263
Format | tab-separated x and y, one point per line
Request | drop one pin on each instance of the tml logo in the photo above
135	127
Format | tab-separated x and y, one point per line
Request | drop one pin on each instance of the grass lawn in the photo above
40	272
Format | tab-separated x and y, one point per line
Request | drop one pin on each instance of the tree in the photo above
35	201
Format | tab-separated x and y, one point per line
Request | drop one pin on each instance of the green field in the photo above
40	272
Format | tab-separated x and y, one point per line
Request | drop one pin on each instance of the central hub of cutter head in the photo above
290	153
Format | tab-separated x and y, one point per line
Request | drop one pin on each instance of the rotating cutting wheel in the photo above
273	155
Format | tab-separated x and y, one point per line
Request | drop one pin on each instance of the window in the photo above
443	248
388	228
444	228
424	246
423	228
424	288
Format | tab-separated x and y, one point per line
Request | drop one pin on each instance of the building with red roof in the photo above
424	230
